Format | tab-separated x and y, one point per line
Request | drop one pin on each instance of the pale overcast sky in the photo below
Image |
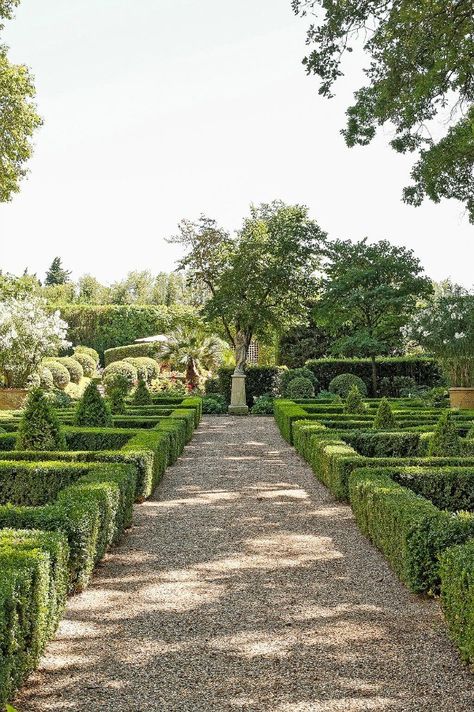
156	110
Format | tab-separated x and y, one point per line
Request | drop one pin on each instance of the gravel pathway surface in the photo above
244	586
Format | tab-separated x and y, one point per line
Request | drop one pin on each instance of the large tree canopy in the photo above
421	68
259	280
18	115
368	293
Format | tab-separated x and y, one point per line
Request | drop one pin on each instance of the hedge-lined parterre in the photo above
61	510
417	509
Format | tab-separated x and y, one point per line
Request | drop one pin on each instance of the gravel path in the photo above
244	586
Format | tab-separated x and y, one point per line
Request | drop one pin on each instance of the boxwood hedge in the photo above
457	596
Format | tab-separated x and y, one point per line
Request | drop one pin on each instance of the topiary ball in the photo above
89	351
120	371
75	369
88	364
292	373
300	388
342	384
60	374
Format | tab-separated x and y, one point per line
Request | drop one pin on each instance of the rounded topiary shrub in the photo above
384	418
75	369
92	411
120	372
39	427
142	395
445	441
87	350
60	374
354	403
292	373
147	368
342	384
88	364
300	388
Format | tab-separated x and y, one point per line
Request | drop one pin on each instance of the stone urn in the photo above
12	398
462	398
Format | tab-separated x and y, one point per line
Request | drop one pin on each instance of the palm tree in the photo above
194	352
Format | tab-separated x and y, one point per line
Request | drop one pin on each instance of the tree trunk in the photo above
374	377
192	376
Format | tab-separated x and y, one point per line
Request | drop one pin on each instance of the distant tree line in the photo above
138	287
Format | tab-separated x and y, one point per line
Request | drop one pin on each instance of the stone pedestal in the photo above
238	401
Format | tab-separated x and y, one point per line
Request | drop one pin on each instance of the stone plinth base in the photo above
238	400
238	410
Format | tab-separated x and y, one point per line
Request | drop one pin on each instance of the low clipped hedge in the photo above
60	511
408	529
448	487
36	483
287	412
383	443
25	614
92	513
457	596
149	450
332	458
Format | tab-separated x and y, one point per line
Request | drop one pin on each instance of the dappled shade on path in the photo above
244	586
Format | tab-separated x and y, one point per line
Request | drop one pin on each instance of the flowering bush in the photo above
28	333
445	328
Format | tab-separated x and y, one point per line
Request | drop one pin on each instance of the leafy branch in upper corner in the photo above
421	68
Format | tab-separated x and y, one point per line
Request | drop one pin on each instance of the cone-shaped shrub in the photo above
354	401
117	389
445	440
39	427
142	395
384	418
92	411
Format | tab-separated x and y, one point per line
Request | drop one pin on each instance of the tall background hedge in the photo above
112	325
424	370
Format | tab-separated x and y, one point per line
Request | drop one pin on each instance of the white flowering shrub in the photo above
445	328
28	333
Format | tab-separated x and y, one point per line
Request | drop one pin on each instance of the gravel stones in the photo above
243	585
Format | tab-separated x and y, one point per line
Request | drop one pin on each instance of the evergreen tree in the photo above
142	395
445	441
56	273
384	418
354	401
39	427
92	410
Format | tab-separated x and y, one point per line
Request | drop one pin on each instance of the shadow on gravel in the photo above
245	586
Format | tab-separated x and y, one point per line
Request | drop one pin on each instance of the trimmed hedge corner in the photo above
457	596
